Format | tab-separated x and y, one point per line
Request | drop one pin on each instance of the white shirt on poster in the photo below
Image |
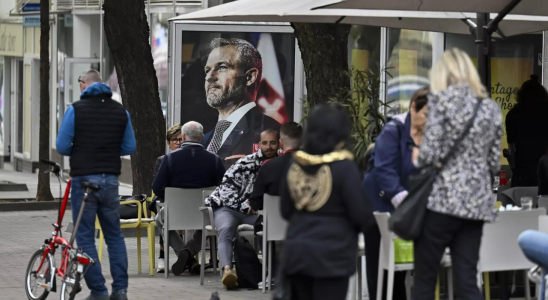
235	117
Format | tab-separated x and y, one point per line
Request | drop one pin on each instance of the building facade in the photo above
403	58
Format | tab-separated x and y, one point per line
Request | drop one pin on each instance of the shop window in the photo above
513	61
409	60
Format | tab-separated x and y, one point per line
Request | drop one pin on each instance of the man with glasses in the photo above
95	132
190	167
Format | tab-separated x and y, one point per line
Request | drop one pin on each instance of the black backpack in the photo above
248	266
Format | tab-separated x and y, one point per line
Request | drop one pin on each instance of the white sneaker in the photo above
161	266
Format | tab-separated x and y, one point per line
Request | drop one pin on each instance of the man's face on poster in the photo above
225	80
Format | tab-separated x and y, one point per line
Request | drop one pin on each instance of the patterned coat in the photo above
237	185
464	186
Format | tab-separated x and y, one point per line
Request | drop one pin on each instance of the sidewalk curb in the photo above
30	205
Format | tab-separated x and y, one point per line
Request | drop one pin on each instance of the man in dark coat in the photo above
190	167
233	74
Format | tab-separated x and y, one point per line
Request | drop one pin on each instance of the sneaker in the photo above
230	280
119	295
180	265
193	266
161	266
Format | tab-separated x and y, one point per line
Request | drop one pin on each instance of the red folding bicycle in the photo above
41	271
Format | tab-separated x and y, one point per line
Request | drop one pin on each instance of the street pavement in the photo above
22	233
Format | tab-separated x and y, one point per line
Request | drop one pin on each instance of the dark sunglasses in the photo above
80	80
176	141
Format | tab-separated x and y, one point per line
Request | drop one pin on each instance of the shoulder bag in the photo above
407	220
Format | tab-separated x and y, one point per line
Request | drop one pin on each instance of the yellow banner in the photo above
507	76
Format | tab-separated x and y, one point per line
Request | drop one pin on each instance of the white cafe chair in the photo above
274	229
499	250
181	213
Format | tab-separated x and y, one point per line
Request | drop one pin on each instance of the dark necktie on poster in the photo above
217	139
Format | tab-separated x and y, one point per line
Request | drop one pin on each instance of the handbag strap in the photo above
469	125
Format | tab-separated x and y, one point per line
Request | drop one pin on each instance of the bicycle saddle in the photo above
92	186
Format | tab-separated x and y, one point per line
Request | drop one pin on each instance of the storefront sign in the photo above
34	20
11	40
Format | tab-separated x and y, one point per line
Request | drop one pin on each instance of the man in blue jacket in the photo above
95	132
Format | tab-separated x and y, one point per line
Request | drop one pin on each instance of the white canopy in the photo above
302	11
525	7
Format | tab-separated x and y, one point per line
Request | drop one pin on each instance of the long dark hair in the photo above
327	126
532	92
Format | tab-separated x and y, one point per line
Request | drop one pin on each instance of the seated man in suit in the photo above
268	180
189	167
230	201
233	74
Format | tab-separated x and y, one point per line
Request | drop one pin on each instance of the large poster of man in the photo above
237	85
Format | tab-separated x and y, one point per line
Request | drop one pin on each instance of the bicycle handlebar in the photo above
56	168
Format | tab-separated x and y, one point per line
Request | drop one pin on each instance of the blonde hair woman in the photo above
461	199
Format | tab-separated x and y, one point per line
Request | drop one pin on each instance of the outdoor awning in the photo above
302	11
525	7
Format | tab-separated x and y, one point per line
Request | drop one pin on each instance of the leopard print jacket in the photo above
237	185
464	186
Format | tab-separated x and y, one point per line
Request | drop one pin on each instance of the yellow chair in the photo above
146	222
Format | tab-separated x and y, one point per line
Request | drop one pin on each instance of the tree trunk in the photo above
127	34
324	51
44	191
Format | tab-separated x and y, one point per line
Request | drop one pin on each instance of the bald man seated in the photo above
189	167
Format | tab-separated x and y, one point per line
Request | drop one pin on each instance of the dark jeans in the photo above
372	251
105	205
310	288
463	237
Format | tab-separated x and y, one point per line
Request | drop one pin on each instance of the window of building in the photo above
409	60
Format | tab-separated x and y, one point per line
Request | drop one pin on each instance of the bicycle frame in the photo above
57	240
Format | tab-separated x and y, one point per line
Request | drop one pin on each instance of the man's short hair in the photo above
249	56
271	131
292	131
90	76
193	131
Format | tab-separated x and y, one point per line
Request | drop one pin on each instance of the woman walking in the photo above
386	184
461	199
324	202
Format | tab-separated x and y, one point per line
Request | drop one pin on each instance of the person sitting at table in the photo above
534	243
190	167
173	140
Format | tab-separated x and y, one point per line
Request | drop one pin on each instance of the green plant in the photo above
364	107
362	102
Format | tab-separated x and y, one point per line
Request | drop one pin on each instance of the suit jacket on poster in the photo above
246	133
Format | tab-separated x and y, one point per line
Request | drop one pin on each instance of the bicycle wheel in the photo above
36	283
71	283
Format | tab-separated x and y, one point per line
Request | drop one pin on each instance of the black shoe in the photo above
180	265
215	296
119	295
193	266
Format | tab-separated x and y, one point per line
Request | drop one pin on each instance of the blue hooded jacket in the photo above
65	137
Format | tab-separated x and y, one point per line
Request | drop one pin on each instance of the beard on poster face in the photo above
219	97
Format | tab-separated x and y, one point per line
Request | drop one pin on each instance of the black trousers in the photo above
309	288
372	247
463	237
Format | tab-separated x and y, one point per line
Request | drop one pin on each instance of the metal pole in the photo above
483	39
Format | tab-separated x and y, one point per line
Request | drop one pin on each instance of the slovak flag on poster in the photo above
271	97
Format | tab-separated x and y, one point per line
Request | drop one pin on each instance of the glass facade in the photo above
513	61
408	63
